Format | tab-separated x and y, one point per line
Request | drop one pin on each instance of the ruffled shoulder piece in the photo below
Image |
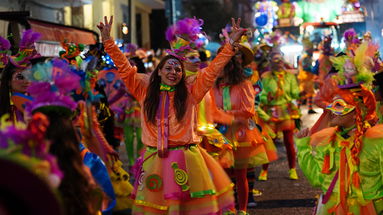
322	137
375	132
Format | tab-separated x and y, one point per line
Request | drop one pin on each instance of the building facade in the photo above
86	14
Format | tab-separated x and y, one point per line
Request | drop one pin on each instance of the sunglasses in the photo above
340	108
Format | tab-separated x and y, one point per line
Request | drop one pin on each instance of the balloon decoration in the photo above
261	19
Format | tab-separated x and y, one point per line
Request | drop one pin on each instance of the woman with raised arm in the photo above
176	176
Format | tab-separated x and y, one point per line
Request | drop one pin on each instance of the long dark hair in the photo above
76	192
153	94
5	89
233	72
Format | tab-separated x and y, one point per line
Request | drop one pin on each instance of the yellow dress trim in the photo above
152	205
230	187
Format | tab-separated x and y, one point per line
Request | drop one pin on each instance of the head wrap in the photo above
184	36
26	50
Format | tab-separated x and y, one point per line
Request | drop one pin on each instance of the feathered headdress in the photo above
351	39
26	144
5	45
184	36
52	84
27	49
88	77
356	70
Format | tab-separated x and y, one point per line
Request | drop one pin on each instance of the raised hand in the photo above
303	133
105	28
236	32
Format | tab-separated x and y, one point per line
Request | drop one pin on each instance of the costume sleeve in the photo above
134	81
309	162
294	93
371	168
262	114
246	107
265	90
206	78
221	116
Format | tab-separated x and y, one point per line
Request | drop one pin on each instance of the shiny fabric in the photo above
250	150
323	155
206	189
183	132
100	175
279	90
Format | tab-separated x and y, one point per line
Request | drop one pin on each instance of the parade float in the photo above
313	19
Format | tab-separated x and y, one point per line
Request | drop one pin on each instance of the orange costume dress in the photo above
250	149
176	175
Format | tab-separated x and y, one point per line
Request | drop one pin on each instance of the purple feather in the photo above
36	88
57	91
29	38
4	44
349	35
67	82
170	34
189	27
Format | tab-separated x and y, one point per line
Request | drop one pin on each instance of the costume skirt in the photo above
250	148
218	146
187	181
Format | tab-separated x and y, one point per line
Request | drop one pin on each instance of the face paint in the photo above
171	73
193	57
339	107
173	63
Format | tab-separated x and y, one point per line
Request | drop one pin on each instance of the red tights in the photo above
288	140
242	188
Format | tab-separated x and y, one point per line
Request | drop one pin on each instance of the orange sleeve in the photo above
206	78
219	115
135	82
246	107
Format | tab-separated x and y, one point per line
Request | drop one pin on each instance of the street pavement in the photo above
281	196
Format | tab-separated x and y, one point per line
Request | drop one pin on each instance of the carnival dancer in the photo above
363	53
324	64
352	42
280	88
13	84
344	159
267	132
97	154
176	176
306	77
52	82
25	157
185	40
235	95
